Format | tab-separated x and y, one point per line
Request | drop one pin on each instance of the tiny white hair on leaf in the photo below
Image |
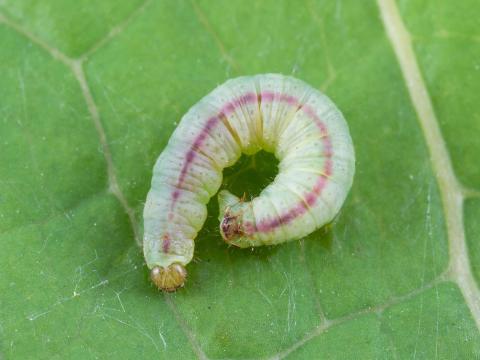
280	114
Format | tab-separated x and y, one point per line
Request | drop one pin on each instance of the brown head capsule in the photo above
169	278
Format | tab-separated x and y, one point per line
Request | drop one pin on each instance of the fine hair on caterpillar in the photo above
279	114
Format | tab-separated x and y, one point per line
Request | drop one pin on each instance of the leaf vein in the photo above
459	269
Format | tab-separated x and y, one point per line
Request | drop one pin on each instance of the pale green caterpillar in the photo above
277	113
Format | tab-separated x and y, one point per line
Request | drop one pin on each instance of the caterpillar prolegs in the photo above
280	114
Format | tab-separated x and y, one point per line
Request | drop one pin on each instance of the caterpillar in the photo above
280	114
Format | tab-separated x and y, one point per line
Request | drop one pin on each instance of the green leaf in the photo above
90	93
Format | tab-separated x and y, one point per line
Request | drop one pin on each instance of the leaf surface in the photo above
90	94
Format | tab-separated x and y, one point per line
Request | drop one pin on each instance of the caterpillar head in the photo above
168	278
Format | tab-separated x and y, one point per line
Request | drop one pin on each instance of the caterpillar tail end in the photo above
170	278
228	222
226	200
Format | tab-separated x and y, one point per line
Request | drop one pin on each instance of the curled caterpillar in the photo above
277	113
